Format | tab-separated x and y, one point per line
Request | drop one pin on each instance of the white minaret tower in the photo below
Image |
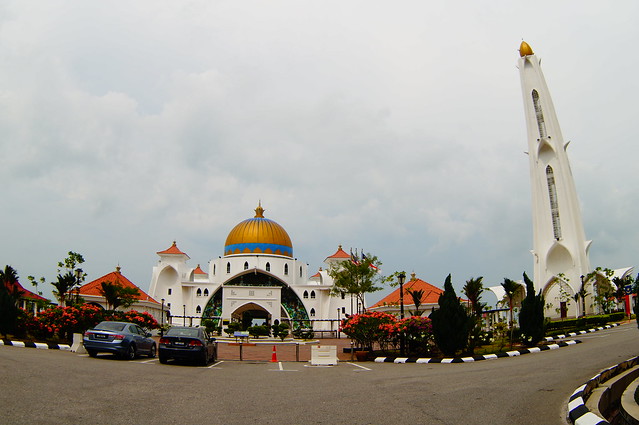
560	249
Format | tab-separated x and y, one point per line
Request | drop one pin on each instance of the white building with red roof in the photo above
92	294
256	280
429	298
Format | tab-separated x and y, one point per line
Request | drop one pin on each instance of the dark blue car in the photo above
125	340
183	343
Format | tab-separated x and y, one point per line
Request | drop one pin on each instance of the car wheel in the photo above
153	351
204	361
163	359
130	353
92	353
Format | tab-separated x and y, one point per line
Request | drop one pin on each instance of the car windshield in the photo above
110	326
183	332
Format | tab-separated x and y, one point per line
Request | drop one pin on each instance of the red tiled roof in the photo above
93	288
430	296
340	253
198	270
173	249
24	293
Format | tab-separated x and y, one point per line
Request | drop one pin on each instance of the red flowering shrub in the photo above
143	319
370	327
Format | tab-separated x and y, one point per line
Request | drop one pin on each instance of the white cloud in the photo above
394	128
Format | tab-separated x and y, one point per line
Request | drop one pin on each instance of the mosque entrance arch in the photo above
262	291
251	314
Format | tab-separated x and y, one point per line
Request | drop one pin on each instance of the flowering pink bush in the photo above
369	327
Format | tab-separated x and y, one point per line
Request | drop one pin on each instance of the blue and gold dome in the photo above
258	235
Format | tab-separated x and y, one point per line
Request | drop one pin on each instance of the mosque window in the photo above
286	269
228	267
198	310
199	292
554	206
312	312
169	291
312	294
305	294
214	269
343	310
343	295
206	292
268	267
300	271
539	114
246	265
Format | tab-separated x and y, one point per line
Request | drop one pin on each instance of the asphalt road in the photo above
54	387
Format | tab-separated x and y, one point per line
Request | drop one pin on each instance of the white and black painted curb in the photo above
578	413
574	334
499	355
40	345
469	359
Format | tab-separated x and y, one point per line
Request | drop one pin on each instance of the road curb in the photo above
470	359
39	345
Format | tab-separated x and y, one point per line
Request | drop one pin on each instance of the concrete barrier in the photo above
323	355
77	346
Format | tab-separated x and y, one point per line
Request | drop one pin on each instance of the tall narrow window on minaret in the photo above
554	206
540	115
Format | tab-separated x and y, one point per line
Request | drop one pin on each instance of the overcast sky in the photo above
393	127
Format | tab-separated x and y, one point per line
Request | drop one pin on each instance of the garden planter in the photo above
361	356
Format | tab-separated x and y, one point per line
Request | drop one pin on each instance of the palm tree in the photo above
473	289
416	295
65	283
510	287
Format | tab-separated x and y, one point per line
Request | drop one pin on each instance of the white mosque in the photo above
257	278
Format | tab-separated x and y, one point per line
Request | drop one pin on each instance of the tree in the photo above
510	288
69	280
116	295
581	294
450	322
356	277
416	295
531	316
602	287
9	299
473	290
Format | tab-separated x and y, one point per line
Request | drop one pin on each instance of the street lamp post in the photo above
162	320
400	278
78	280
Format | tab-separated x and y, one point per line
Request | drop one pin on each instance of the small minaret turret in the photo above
560	249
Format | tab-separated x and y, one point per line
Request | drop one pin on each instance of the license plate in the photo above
179	343
101	336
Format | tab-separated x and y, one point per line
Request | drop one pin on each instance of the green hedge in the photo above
585	322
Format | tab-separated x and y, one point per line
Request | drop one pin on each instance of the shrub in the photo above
451	323
531	316
369	327
258	331
233	327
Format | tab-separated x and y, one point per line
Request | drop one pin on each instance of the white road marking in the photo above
360	366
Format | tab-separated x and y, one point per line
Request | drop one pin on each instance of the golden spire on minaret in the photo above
259	211
525	49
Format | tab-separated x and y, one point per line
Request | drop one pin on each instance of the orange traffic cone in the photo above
274	356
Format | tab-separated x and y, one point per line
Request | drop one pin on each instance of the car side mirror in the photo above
148	334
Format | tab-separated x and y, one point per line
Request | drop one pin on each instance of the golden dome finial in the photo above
259	211
525	49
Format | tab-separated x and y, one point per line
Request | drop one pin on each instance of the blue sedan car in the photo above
125	340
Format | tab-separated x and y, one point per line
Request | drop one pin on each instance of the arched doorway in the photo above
251	314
